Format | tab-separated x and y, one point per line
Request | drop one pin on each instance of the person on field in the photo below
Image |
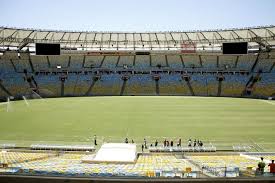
167	143
126	140
142	147
171	143
145	143
133	141
261	165
95	142
164	143
179	144
156	143
272	167
189	143
195	143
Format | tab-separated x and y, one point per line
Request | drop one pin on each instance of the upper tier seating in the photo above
39	63
93	61
209	62
158	60
62	60
142	61
246	62
174	61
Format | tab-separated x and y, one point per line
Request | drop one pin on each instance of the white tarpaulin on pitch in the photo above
114	152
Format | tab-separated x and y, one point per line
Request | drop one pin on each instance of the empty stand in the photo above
265	63
227	61
233	84
172	84
265	87
159	61
39	63
61	60
140	84
175	61
209	62
110	62
246	62
93	61
142	61
76	61
82	85
199	85
108	84
191	61
49	85
126	60
70	84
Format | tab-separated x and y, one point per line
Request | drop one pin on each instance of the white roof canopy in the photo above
17	37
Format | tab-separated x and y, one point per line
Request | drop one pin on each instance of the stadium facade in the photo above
131	63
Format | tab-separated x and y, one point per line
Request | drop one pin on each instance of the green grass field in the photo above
222	121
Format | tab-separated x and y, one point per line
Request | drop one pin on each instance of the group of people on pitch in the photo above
261	166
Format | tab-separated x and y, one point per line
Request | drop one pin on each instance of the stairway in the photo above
219	89
90	88
190	88
123	87
157	86
62	88
251	82
5	90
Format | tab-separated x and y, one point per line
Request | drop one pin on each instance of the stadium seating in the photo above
174	61
39	63
6	66
199	84
173	84
81	86
126	60
109	84
264	64
228	62
234	84
93	61
110	62
266	87
70	164
15	84
62	61
212	84
76	61
142	61
158	60
202	71
217	165
21	157
49	85
209	62
245	62
191	61
140	84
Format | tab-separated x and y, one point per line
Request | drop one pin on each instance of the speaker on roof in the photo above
47	49
235	48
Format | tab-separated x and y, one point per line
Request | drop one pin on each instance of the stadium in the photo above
135	106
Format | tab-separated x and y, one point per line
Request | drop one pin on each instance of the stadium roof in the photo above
21	37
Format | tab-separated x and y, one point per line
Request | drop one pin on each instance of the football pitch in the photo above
224	122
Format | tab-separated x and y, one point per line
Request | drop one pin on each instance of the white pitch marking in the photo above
272	103
3	103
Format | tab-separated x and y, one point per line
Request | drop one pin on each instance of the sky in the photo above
136	15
